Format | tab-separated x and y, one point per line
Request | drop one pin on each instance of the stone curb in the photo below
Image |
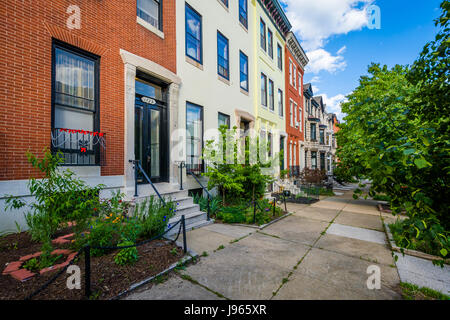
410	252
190	255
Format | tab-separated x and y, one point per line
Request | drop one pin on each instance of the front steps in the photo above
185	205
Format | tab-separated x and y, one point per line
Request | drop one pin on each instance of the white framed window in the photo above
291	113
300	124
295	115
290	72
295	76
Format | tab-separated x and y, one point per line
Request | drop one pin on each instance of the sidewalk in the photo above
321	251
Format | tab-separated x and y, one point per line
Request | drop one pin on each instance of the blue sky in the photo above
340	46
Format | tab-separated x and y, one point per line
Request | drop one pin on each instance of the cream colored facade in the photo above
201	83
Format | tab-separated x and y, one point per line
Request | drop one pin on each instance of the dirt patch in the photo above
107	278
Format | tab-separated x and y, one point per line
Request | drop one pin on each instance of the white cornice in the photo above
296	49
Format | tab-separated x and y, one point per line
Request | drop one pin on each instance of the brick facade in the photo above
26	32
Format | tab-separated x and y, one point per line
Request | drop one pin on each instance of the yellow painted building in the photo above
270	28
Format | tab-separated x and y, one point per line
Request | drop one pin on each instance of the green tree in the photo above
397	135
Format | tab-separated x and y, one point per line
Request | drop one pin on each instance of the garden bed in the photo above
294	199
108	279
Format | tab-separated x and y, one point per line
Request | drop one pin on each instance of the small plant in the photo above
174	251
204	254
126	256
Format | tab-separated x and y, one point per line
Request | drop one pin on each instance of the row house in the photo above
318	132
296	60
95	80
271	27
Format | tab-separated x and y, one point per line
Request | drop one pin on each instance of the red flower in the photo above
404	187
95	209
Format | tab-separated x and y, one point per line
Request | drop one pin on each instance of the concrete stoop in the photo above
194	217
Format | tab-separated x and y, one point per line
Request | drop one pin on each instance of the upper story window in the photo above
313	132
290	72
300	124
75	104
223	64
322	136
243	12
300	81
263	35
280	57
294	73
280	103
151	12
263	90
243	65
295	114
271	96
291	113
270	41
193	34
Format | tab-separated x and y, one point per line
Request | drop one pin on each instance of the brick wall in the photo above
292	93
26	31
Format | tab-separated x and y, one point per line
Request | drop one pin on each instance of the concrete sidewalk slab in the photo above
321	214
357	208
202	240
174	288
247	271
360	220
357	233
294	207
298	229
423	273
228	230
374	252
329	205
348	273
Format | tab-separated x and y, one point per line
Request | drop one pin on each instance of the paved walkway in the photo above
321	251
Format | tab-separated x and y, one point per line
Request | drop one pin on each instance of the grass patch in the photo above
413	292
381	197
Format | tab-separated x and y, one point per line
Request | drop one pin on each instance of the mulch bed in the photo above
302	200
107	278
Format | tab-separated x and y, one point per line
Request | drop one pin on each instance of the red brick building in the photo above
85	78
296	60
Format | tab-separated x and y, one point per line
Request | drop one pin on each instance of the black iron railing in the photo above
79	147
138	168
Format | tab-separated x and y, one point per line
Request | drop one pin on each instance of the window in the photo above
243	65
322	161
290	72
280	57
270	41
291	113
225	2
269	137
271	96
150	11
300	81
263	90
306	158
194	138
280	103
322	136
193	34
263	35
313	132
294	72
295	115
223	66
223	120
243	16
300	124
75	104
313	160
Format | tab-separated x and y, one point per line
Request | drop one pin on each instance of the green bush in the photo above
153	216
126	256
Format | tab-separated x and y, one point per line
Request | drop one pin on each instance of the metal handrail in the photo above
188	171
137	165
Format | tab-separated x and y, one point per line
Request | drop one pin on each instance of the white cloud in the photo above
321	59
342	50
315	79
334	105
315	89
317	20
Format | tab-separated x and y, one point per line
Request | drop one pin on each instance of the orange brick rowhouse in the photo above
90	67
296	60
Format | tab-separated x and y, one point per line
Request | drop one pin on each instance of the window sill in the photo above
227	82
194	63
244	92
223	5
149	27
243	27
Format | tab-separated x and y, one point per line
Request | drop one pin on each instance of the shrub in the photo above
126	256
153	217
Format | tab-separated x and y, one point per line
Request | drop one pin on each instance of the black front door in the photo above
151	138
